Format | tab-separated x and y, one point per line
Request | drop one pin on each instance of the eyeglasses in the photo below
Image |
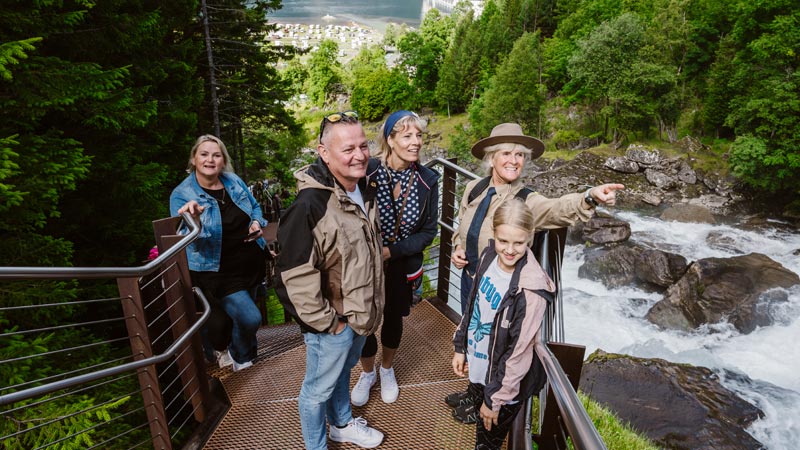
337	117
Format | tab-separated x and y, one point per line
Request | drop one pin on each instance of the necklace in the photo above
222	201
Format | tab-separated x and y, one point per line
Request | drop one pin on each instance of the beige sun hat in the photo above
511	133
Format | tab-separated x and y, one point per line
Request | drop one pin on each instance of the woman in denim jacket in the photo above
226	261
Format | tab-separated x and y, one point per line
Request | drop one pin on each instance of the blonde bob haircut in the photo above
491	150
384	150
210	138
516	213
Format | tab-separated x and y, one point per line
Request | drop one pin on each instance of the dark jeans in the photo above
486	439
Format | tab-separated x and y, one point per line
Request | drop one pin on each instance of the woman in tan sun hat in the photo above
504	154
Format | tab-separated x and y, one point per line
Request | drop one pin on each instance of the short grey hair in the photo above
490	151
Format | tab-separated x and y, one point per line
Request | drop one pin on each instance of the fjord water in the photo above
374	13
614	320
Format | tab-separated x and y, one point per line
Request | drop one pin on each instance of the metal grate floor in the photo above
263	413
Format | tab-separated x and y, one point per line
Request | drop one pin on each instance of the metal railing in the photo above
122	369
562	414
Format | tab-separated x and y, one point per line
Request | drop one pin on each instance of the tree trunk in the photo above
212	79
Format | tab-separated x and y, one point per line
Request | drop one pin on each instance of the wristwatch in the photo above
589	199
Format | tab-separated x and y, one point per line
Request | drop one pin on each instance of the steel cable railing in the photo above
166	311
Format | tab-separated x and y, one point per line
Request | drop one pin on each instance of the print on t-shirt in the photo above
492	289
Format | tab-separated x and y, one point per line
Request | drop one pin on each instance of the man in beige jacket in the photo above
330	278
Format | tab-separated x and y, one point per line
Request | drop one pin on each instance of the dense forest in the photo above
101	101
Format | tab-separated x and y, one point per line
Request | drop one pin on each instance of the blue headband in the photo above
391	121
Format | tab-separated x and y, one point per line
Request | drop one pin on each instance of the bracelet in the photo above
589	199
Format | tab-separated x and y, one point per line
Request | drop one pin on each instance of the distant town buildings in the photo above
351	38
447	6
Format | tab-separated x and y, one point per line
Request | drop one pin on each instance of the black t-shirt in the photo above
242	264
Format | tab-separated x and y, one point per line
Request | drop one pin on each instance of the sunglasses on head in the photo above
336	117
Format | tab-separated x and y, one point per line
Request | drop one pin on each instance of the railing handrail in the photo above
12	273
116	370
450	165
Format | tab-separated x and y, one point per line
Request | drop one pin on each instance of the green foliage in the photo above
377	92
765	106
459	72
422	54
629	101
516	94
324	73
12	52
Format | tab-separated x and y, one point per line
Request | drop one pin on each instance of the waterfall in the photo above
614	320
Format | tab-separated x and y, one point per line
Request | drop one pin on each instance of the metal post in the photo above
136	323
446	236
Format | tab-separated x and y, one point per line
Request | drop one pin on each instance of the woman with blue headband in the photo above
408	199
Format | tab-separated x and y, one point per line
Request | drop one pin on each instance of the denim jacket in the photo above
205	252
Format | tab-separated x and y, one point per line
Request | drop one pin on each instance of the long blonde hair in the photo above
516	213
206	138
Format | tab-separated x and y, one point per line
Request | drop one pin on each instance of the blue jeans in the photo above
246	319
326	386
466	286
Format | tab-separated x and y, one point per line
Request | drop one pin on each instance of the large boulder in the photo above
621	164
642	156
688	213
602	229
733	289
675	405
660	179
614	267
659	267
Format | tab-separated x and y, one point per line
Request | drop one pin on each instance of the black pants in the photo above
398	305
491	440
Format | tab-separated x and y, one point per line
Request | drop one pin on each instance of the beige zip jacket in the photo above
330	266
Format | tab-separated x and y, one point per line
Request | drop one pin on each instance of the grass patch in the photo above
615	433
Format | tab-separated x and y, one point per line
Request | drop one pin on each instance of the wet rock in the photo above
614	267
688	213
660	179
722	241
676	405
717	289
651	199
686	174
602	229
659	267
712	202
621	164
642	156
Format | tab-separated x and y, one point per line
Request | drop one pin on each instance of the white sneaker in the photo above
237	367
223	358
389	389
360	394
357	432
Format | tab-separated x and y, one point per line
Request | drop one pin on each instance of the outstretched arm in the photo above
606	194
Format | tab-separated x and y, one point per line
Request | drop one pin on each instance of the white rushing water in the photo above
614	320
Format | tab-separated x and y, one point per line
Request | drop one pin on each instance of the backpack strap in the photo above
523	193
480	186
550	297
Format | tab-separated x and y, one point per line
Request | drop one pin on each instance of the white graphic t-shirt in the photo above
491	290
